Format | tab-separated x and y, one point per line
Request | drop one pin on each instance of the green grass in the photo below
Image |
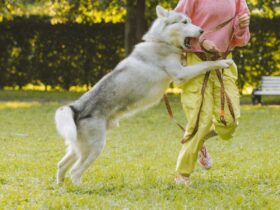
44	96
136	169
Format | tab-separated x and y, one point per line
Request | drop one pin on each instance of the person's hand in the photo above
244	21
210	46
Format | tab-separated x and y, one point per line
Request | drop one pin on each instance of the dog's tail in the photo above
65	124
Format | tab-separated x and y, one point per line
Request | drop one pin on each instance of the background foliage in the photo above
61	43
35	51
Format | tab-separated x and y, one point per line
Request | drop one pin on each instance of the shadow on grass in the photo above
213	185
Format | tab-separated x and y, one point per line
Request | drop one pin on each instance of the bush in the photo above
32	50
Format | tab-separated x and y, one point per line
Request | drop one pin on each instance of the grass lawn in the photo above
136	169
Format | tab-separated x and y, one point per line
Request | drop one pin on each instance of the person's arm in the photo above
186	7
241	33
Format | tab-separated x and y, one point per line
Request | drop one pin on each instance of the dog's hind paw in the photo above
76	180
59	181
59	178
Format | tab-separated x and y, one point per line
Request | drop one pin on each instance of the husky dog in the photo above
137	82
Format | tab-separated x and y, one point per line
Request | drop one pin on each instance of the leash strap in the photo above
230	106
222	113
218	27
170	113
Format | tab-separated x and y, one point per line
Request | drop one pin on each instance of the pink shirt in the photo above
209	13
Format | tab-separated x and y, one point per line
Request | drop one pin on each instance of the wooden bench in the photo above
270	85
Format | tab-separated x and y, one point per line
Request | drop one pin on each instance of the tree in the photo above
135	23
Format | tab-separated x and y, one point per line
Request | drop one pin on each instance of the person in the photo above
211	101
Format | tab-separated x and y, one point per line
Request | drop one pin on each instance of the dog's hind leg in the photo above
90	145
65	163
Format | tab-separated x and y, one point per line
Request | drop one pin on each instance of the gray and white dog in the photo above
137	82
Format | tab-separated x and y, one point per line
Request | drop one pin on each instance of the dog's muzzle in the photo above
187	42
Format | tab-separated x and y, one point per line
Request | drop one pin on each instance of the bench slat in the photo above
271	81
269	89
273	77
265	84
270	86
268	93
270	78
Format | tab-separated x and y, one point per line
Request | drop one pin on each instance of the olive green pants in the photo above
210	114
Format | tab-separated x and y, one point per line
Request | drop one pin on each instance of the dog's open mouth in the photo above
187	42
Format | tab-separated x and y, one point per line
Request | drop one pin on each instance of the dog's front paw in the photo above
76	180
224	63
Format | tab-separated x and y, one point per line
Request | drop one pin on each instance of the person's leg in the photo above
226	132
191	99
204	158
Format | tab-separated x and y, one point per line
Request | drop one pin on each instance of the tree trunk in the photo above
140	21
135	23
130	26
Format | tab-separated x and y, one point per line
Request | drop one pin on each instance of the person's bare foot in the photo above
204	159
180	179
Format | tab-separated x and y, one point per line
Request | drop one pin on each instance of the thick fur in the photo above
137	82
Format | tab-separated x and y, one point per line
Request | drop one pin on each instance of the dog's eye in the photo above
185	22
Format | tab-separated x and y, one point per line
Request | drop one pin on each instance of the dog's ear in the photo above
161	12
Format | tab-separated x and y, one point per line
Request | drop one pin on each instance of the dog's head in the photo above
174	28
